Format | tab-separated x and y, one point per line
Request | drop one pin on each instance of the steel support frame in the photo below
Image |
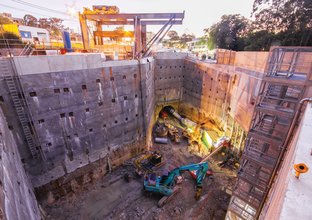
281	91
138	20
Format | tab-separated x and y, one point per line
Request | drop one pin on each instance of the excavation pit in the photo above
90	117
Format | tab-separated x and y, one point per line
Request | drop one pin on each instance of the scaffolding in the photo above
287	75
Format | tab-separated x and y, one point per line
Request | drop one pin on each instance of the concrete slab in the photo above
298	197
26	65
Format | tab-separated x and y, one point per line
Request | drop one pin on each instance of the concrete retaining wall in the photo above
86	109
169	77
17	199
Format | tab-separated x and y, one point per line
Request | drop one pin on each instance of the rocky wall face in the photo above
17	199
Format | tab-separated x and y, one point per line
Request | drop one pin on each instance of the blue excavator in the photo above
165	184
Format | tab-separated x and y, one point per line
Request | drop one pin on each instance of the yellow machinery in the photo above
101	16
148	162
13	28
101	9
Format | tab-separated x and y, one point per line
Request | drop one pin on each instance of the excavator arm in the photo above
200	171
164	184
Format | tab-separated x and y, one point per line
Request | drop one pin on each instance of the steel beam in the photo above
84	31
113	34
135	15
99	40
143	36
137	37
143	22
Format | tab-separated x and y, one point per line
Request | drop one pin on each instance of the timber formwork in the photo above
287	75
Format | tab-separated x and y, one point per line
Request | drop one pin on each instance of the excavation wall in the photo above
85	110
91	115
17	199
213	93
220	91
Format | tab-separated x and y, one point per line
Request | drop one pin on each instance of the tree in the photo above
5	20
186	38
260	41
53	25
30	20
228	32
44	23
291	20
173	35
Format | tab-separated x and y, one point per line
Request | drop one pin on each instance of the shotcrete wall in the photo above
85	110
17	198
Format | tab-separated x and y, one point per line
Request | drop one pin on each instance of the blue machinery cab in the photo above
165	184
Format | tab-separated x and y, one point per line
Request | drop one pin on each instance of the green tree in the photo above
186	38
260	41
291	20
228	32
5	20
44	23
53	25
173	35
30	20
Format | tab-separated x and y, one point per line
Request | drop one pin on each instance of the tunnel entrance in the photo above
203	136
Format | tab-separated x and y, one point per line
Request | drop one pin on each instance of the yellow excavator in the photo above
148	162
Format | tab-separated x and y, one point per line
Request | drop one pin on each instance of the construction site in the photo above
136	133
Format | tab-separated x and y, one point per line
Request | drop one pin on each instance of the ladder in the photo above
19	102
27	50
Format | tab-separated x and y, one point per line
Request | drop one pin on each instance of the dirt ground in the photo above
114	198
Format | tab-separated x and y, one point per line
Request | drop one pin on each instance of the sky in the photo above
199	14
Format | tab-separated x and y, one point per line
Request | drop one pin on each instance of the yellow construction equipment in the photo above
148	162
101	9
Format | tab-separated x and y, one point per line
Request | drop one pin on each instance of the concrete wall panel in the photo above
17	197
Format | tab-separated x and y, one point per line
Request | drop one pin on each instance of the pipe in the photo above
284	148
161	140
212	153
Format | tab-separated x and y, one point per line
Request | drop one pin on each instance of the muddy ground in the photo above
114	198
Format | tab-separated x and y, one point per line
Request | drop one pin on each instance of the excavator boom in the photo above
165	184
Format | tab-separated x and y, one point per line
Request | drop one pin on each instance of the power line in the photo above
39	7
19	9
